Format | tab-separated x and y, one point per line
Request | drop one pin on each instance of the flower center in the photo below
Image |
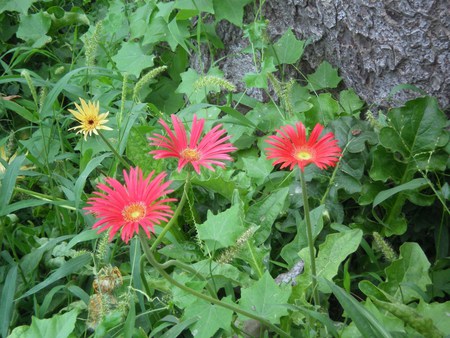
303	155
190	154
134	212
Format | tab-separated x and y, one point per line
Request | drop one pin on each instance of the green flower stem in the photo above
120	158
175	215
333	176
191	270
310	239
44	197
148	253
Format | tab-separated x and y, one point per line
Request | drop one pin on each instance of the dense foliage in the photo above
236	256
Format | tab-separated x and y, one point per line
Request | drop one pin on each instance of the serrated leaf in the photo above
197	5
231	10
415	128
59	326
350	101
266	299
265	212
222	230
324	77
325	109
410	268
33	28
211	318
287	49
332	253
21	6
259	80
257	168
132	59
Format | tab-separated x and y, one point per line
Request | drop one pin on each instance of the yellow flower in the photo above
89	118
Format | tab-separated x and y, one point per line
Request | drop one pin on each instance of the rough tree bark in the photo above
376	44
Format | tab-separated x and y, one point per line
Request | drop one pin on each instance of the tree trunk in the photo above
375	44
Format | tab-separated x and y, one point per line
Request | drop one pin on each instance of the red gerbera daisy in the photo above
213	148
291	147
126	207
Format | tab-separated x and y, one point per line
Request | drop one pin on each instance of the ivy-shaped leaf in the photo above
231	10
33	29
324	77
211	318
266	299
222	230
287	49
132	58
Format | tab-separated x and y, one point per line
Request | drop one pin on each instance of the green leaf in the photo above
211	318
132	58
7	300
222	230
415	129
8	182
336	248
287	49
265	212
139	20
411	185
59	326
266	299
231	10
350	101
68	268
438	312
257	168
33	29
197	5
324	77
289	252
259	80
325	109
21	6
367	324
385	166
178	35
197	95
410	269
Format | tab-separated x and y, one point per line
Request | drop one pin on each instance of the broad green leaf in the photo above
132	58
289	252
287	49
325	109
257	168
238	116
266	299
7	300
411	268
231	10
181	298
222	273
265	212
33	29
384	166
223	182
222	230
155	31
8	182
211	318
197	94
336	248
21	6
139	20
415	129
197	5
367	324
324	77
178	35
59	326
259	80
411	185
438	312
68	268
350	101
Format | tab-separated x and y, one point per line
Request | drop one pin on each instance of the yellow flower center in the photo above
134	212
190	154
303	155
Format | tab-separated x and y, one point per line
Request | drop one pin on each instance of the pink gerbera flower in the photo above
213	148
135	204
290	147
